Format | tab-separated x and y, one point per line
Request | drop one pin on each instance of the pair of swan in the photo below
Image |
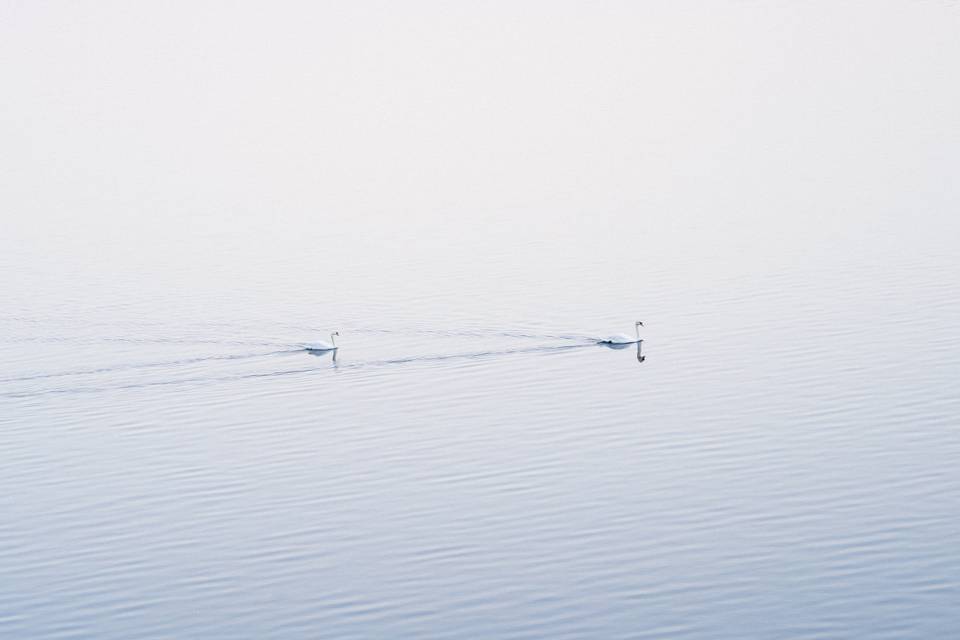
617	339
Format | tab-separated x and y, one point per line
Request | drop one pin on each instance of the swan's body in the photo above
323	346
622	338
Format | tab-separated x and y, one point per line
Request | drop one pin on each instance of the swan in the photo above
323	346
622	338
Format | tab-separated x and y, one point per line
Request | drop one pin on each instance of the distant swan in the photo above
624	339
323	346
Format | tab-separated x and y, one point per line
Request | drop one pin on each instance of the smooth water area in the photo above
779	459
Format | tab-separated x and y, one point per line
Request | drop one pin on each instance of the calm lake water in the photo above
782	462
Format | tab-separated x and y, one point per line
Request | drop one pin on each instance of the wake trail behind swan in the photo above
473	355
144	365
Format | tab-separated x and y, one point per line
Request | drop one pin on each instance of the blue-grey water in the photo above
779	460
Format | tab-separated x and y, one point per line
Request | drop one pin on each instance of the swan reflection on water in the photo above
322	353
620	346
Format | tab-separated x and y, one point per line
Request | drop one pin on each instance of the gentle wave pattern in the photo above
511	482
474	194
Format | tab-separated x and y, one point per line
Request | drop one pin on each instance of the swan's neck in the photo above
332	341
637	327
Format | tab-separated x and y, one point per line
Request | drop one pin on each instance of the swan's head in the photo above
638	324
335	333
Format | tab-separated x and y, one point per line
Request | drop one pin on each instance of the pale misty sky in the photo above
715	111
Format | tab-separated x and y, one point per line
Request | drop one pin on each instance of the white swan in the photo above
621	338
323	346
